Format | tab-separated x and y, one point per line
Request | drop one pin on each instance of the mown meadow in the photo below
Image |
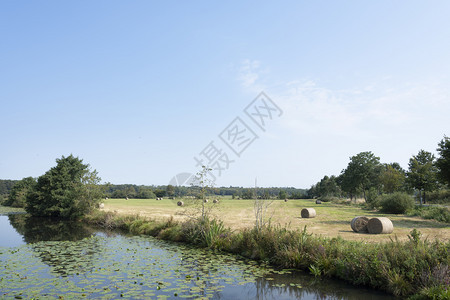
332	220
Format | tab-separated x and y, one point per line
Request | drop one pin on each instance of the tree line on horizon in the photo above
121	191
71	189
427	176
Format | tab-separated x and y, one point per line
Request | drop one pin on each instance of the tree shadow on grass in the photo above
408	222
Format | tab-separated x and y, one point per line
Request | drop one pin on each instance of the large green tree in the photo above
327	186
68	190
422	173
363	172
443	161
392	178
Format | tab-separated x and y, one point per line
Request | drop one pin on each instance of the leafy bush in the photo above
439	196
438	213
373	199
396	203
328	198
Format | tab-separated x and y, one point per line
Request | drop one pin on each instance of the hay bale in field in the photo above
308	213
206	200
216	201
285	200
318	201
180	203
359	224
380	225
101	206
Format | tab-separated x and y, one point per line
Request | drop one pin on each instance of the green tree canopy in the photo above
363	172
422	173
170	190
392	178
18	195
327	186
68	190
443	161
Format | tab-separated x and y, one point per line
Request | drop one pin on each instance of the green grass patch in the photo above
4	210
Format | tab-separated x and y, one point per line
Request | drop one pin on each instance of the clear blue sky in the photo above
138	89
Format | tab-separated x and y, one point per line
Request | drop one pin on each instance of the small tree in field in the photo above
204	182
260	207
363	172
443	161
422	173
68	190
199	208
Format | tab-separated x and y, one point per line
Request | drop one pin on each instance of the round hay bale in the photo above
216	201
318	201
380	225
180	203
285	200
308	213
206	200
359	224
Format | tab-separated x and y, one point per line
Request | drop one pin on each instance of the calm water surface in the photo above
48	259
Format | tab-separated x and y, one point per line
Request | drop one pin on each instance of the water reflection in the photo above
51	240
34	229
299	285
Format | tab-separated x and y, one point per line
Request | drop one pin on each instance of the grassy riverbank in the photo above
415	267
10	210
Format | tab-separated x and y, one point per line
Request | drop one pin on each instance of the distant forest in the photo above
148	192
6	186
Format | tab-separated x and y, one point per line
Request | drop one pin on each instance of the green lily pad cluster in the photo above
128	267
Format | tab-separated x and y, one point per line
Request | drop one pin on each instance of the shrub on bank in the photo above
328	198
396	203
439	197
438	213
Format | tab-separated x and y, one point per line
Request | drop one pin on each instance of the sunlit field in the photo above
332	219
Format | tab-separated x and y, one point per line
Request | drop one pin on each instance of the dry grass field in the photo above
332	220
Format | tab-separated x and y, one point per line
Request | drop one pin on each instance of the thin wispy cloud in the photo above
376	108
250	74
